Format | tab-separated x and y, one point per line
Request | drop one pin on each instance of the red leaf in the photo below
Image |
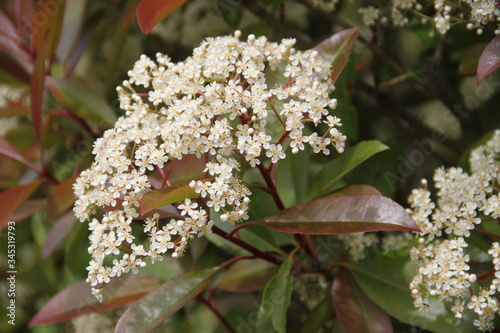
129	13
343	214
490	60
28	208
77	300
7	150
337	49
12	198
62	197
36	95
57	233
150	12
354	310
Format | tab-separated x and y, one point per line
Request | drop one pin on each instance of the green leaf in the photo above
489	60
354	310
386	282
81	99
166	196
316	319
77	299
12	198
261	238
71	27
150	12
343	214
275	300
292	182
337	49
341	165
154	308
247	276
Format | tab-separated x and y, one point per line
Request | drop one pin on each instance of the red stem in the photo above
486	232
248	247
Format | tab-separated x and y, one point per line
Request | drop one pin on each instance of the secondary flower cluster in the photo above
478	14
231	99
9	95
463	202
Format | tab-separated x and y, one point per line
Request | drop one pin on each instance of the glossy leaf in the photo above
81	99
36	94
333	171
317	317
12	198
57	233
77	300
62	197
150	12
355	189
354	310
337	49
163	302
166	196
28	208
275	300
247	276
470	59
489	60
7	150
386	280
292	182
343	214
71	25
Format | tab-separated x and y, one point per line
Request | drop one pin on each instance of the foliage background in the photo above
411	88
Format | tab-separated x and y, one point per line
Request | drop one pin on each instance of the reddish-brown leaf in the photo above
36	95
354	310
247	276
470	59
130	12
7	150
337	49
60	229
28	208
77	300
490	60
12	198
343	214
62	197
150	12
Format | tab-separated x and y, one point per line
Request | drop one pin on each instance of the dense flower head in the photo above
231	102
463	201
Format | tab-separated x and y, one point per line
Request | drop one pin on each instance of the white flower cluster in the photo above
8	95
477	13
446	225
231	99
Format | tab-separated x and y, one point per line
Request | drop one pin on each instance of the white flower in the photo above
216	105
